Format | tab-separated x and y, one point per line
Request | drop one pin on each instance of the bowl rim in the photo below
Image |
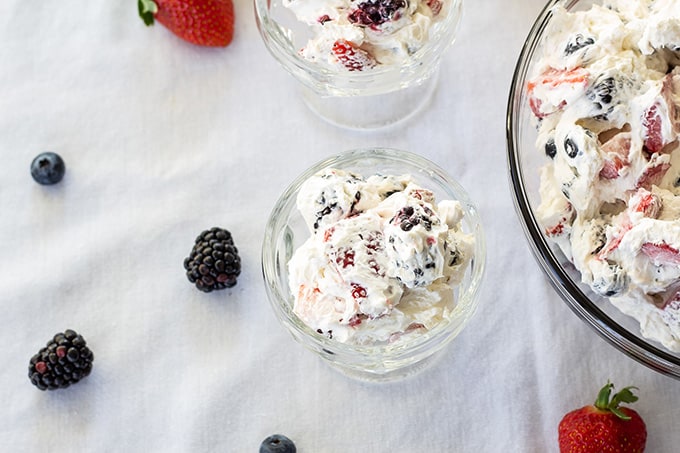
418	347
615	334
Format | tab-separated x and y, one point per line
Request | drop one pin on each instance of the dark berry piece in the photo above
65	360
214	262
277	443
48	168
408	217
602	94
376	12
578	42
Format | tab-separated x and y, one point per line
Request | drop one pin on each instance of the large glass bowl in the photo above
524	161
367	99
286	231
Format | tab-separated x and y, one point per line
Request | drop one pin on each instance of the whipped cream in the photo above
606	92
382	260
358	35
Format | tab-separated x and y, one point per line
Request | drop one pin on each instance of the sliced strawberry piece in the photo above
645	202
552	78
351	56
661	254
652	175
616	151
652	122
614	241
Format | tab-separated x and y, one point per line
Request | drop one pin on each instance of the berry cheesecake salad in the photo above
605	93
357	35
383	259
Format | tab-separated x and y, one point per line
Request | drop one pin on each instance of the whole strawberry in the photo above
604	427
202	22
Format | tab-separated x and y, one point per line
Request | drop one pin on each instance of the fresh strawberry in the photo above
604	427
351	56
202	22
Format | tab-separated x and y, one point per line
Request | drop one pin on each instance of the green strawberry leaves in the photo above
147	10
624	396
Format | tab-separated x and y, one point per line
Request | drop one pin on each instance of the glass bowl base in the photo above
373	111
388	373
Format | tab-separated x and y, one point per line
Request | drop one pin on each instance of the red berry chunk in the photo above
356	320
646	203
345	257
376	12
435	6
358	291
352	57
652	123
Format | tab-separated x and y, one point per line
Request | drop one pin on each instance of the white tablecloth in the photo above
163	139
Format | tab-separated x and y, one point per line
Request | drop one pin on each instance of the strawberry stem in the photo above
624	396
147	10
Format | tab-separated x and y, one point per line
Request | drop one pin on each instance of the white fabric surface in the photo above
163	139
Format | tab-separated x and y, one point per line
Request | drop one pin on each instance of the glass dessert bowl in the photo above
366	64
587	169
351	346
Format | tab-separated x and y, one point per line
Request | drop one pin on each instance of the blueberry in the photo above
551	148
570	148
277	443
48	168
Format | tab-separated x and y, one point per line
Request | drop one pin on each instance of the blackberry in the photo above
48	168
408	217
550	148
374	13
213	262
277	443
65	360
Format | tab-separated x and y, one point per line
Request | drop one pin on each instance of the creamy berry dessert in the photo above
357	35
382	260
605	93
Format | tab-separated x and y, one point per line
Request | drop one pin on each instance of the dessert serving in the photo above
382	260
358	35
351	57
373	260
605	92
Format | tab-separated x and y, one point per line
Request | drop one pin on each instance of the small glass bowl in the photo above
286	231
365	100
524	163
